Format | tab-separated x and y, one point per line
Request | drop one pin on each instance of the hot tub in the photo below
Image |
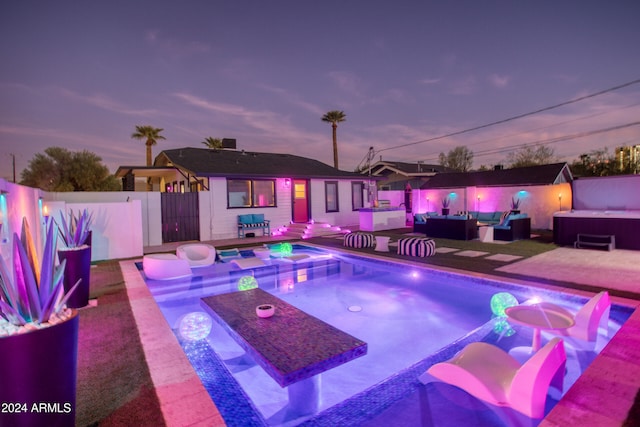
625	225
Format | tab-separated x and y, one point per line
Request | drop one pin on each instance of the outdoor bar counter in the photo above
624	225
293	347
376	219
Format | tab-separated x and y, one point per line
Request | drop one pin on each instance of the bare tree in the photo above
530	156
459	159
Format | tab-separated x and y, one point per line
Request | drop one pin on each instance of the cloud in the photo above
294	99
346	81
499	81
464	86
429	81
175	48
104	102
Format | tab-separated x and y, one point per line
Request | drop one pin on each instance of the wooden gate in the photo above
180	217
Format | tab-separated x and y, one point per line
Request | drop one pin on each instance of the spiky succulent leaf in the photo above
26	282
74	231
11	314
48	263
30	248
54	304
9	293
21	299
66	297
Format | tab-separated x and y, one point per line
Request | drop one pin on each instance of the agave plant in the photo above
515	204
34	293
445	202
74	231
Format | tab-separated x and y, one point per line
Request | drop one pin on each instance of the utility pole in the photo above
13	156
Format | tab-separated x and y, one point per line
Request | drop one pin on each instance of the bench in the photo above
253	222
595	240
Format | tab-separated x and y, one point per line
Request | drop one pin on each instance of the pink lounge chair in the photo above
591	318
492	375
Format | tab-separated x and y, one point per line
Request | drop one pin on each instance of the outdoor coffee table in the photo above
540	316
293	347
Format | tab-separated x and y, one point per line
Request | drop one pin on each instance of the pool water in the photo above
410	318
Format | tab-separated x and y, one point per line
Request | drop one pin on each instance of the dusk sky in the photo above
82	75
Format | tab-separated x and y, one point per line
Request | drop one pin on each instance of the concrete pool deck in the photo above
604	395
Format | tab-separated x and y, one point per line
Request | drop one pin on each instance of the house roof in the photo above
403	168
531	175
229	163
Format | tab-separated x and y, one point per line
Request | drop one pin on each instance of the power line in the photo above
582	98
554	140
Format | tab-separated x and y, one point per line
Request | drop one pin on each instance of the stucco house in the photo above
285	188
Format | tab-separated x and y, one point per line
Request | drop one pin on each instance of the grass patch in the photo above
543	242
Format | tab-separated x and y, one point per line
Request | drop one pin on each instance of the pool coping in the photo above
184	400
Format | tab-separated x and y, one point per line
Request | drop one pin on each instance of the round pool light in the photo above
503	328
355	308
195	326
247	282
501	301
286	249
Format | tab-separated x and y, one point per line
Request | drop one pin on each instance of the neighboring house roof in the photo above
533	175
229	163
383	168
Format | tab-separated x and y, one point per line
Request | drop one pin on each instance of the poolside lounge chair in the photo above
226	255
197	254
492	375
592	317
250	262
165	267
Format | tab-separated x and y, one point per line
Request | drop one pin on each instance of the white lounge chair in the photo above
250	262
197	254
165	267
492	375
591	318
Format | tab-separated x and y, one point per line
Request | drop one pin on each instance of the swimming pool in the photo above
409	317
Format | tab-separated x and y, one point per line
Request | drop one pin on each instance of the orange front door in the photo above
300	200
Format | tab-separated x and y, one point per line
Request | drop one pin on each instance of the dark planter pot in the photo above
38	371
78	267
445	211
515	211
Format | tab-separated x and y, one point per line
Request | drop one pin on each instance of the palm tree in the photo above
334	117
151	135
213	143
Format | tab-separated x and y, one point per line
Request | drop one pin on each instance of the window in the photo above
357	190
331	196
246	193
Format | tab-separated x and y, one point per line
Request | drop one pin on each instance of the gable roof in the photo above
532	175
229	163
385	167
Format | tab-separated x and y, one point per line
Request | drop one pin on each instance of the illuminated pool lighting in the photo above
195	326
247	282
501	301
